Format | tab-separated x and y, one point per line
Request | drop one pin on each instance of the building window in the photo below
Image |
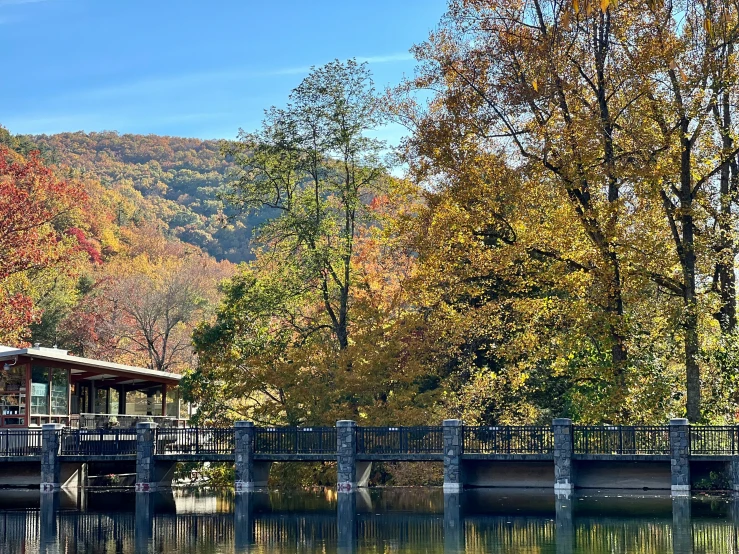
101	401
59	392
114	401
39	390
13	395
49	391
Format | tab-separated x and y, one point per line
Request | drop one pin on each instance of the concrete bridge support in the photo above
454	534
48	524
50	466
679	456
244	520
144	521
346	523
145	465
453	448
734	473
250	474
346	456
564	478
565	538
682	528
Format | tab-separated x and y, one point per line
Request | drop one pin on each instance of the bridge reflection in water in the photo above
426	521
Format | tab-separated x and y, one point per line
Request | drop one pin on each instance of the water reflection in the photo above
398	520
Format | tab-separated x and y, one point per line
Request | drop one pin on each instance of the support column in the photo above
244	520
250	475
565	538
145	465
734	472
49	507
50	469
453	446
679	452
144	521
454	535
682	527
346	455
164	399
564	478
346	523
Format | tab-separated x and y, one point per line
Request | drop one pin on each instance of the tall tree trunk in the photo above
687	259
726	244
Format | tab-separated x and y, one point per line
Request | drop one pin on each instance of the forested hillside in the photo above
176	180
89	266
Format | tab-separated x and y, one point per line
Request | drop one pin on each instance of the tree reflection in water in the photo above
398	520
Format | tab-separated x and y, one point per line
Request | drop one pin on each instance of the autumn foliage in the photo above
33	205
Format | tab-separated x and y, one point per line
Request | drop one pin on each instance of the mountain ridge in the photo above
175	179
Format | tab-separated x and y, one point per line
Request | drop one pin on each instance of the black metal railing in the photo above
586	440
508	440
621	440
20	442
295	440
400	440
98	442
714	441
195	440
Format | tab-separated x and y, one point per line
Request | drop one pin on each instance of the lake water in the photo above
374	521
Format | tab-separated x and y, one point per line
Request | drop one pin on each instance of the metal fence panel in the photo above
621	440
195	440
508	440
714	441
400	440
295	440
20	442
98	442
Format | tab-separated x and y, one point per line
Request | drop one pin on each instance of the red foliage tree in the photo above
32	201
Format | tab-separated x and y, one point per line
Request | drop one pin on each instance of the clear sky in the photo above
196	68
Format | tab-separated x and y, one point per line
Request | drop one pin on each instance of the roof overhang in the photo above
93	369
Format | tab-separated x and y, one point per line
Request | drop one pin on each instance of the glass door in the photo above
13	397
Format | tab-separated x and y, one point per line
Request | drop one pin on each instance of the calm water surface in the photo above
390	520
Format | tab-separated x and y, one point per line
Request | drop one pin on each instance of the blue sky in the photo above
196	68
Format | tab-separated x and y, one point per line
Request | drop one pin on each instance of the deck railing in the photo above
621	440
120	421
709	441
508	440
195	440
295	440
98	442
20	442
400	440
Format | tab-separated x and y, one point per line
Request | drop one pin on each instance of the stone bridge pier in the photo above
250	474
151	474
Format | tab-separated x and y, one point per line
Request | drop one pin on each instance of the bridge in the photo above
560	455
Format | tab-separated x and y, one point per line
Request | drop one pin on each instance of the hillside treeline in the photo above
87	268
174	180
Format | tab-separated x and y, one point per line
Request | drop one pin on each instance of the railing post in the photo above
679	455
50	444
244	440
453	430
145	465
563	471
346	455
